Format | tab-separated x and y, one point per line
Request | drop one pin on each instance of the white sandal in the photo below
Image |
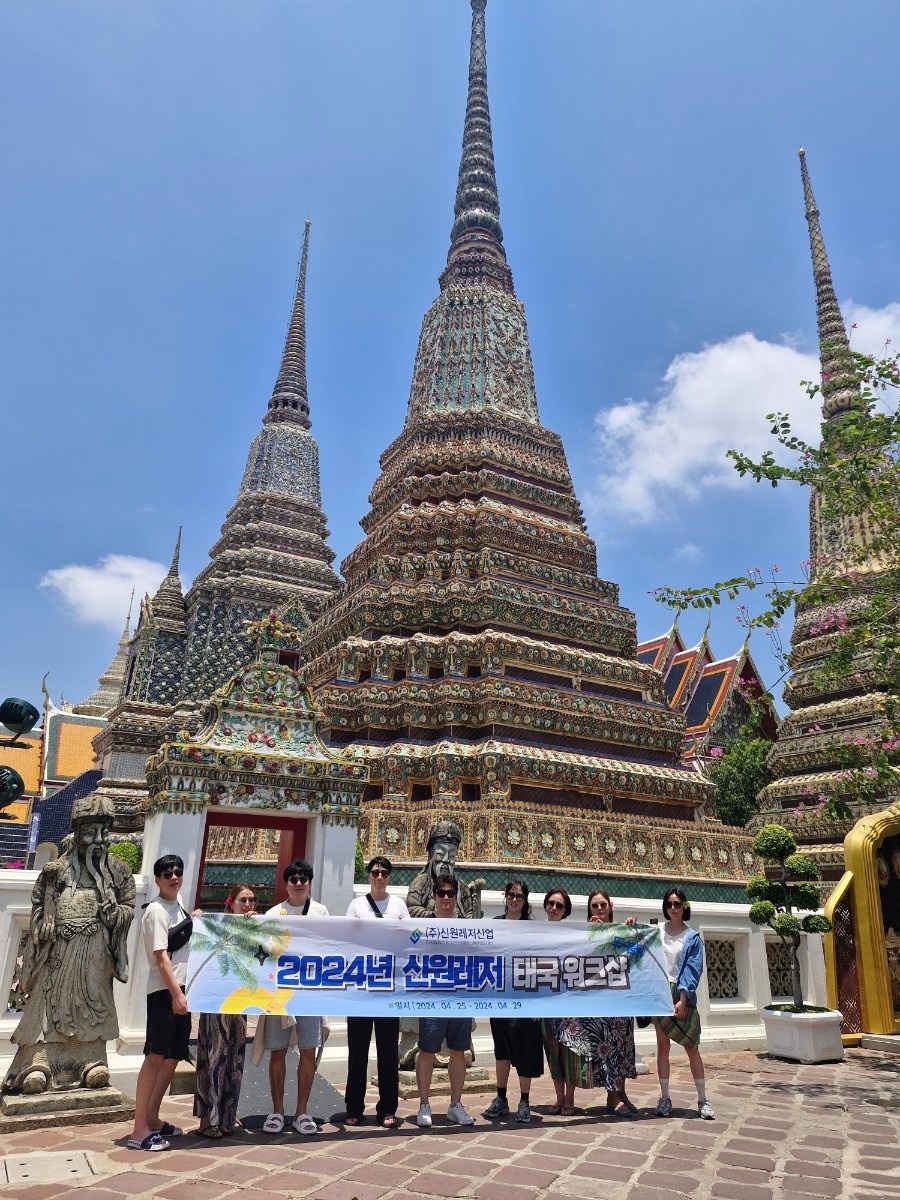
305	1124
274	1123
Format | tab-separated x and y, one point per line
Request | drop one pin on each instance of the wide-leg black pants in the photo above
387	1037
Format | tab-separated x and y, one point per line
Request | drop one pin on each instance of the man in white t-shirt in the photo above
168	1019
277	1034
376	904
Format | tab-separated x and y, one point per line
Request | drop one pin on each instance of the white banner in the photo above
343	966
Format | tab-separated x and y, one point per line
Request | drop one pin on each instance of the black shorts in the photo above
167	1033
518	1040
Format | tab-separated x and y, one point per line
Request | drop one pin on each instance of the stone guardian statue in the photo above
81	910
444	839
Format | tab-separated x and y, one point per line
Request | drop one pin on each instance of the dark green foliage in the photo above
792	887
740	775
129	854
359	864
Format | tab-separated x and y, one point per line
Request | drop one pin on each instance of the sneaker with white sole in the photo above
458	1115
664	1108
423	1116
706	1111
523	1113
498	1107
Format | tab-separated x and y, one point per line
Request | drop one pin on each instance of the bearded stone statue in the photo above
81	910
444	839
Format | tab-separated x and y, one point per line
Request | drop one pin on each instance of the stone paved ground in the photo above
783	1131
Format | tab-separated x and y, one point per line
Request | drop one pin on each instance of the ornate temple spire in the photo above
476	238
109	687
839	387
290	399
168	603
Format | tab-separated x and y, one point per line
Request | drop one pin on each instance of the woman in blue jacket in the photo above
683	955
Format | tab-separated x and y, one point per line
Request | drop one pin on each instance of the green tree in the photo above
359	864
793	885
740	774
128	853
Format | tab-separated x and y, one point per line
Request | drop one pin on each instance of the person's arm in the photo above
167	973
689	973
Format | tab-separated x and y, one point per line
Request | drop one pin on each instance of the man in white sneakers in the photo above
277	1034
433	1030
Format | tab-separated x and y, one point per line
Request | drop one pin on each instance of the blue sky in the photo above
159	161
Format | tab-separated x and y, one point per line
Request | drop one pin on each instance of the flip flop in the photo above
304	1124
554	1110
354	1120
568	1110
213	1132
152	1142
274	1123
391	1121
168	1130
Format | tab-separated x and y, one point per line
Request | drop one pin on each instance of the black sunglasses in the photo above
515	896
173	873
298	879
444	895
674	904
555	904
379	874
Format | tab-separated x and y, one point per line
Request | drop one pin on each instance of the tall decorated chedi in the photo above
272	553
827	715
474	661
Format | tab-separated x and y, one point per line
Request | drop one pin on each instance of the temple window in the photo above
471	793
420	791
289	658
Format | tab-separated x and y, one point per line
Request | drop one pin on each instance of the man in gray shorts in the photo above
433	1031
307	1031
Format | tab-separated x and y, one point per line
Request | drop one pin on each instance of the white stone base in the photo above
808	1037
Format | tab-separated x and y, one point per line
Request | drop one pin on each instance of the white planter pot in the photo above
808	1037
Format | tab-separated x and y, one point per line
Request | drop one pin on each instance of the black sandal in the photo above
391	1121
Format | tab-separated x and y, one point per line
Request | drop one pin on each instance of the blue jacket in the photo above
690	968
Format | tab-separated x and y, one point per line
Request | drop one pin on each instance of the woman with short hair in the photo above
683	957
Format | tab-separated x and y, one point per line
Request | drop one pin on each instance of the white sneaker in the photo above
423	1117
458	1115
706	1111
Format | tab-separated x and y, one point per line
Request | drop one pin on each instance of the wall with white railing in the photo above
745	968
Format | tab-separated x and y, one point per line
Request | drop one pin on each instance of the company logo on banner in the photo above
343	966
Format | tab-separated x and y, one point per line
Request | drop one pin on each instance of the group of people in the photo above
595	1052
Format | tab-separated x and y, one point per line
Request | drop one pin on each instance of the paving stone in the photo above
879	1164
678	1185
733	1158
133	1183
489	1190
184	1189
433	1183
34	1191
341	1189
233	1172
797	1186
526	1176
816	1170
597	1168
742	1175
390	1176
727	1190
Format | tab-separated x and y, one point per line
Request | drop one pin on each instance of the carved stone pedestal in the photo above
80	1106
477	1080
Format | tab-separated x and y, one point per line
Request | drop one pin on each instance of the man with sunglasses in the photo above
433	1031
168	1019
276	1033
378	903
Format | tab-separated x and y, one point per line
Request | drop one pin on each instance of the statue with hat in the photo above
444	840
82	906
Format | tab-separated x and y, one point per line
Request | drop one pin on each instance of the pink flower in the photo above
716	752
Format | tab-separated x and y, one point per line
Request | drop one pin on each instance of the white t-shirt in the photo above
296	910
672	945
159	917
390	906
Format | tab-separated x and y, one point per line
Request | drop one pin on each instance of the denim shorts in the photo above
433	1030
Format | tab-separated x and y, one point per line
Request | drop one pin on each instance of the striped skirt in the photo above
685	1031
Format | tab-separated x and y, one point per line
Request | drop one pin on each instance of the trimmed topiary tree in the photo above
790	885
359	864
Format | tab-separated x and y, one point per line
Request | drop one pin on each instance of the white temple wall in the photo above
728	1023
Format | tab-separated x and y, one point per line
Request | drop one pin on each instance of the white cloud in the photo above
689	552
99	595
673	447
